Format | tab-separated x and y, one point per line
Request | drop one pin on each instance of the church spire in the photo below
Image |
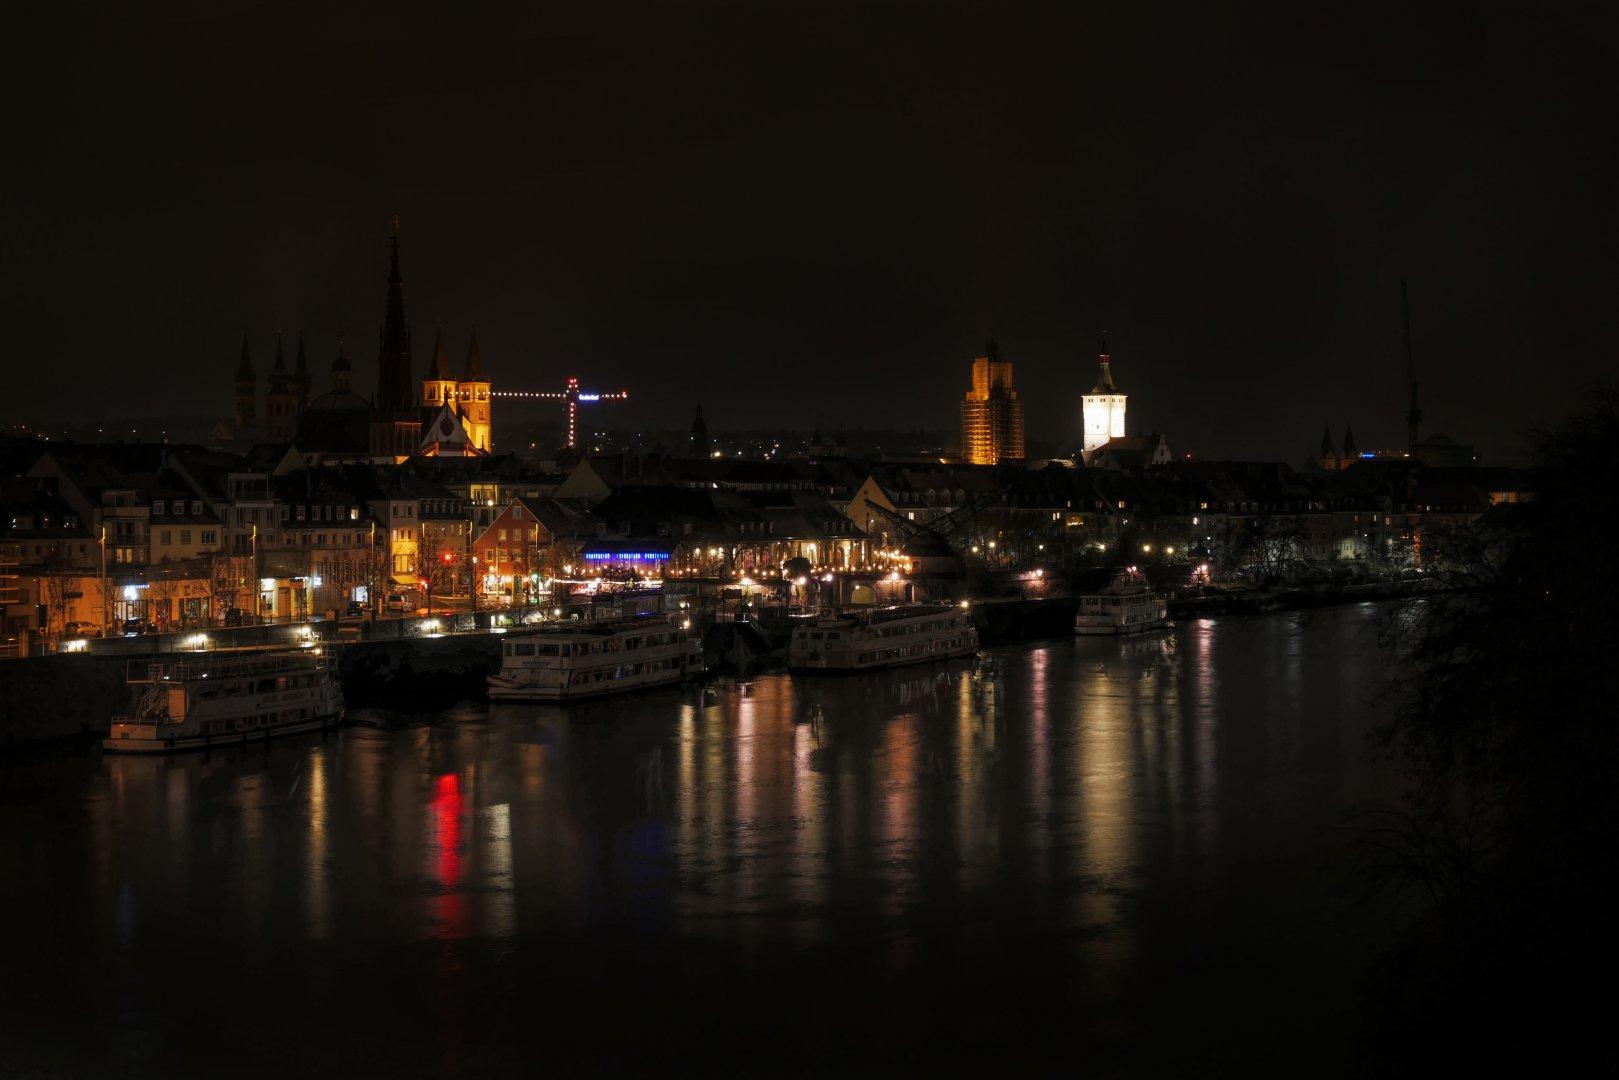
474	368
439	369
244	366
278	373
342	370
301	382
1327	449
1350	452
394	392
1104	381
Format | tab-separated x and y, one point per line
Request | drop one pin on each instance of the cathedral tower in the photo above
474	394
1329	452
396	425
247	404
1103	407
301	382
438	388
280	407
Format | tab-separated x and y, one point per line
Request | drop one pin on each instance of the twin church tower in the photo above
992	412
450	416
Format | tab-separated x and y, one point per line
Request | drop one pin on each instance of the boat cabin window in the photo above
553	649
520	648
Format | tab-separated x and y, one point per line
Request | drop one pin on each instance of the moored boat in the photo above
197	702
593	659
859	640
1127	606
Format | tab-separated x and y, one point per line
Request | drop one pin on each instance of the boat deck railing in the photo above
224	667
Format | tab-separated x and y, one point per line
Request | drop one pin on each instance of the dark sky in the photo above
792	210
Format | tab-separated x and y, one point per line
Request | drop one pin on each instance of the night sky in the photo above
800	210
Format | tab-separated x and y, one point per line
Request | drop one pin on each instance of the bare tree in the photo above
227	578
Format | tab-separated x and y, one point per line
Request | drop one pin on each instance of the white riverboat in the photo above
1128	606
593	659
882	637
207	701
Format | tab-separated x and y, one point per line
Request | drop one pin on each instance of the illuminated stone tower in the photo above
438	388
1104	407
473	391
991	414
280	406
247	393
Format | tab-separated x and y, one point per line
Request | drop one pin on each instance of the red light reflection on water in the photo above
449	906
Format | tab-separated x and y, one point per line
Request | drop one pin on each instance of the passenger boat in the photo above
1127	606
210	701
592	659
883	637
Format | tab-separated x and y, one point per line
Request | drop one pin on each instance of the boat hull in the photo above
828	667
174	744
1114	630
502	689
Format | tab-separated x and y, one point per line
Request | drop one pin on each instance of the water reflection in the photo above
1110	797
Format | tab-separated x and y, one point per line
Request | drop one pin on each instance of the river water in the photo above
1124	856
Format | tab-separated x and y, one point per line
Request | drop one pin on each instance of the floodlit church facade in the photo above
465	398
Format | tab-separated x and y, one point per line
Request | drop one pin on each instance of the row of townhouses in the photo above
167	537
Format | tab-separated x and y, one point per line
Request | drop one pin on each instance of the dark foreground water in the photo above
1121	858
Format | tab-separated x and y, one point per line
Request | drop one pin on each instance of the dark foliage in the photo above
1510	836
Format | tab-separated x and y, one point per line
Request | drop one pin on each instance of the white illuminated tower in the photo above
1104	408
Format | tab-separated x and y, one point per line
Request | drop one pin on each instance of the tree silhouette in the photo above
1510	833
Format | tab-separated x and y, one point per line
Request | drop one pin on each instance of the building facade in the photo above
991	414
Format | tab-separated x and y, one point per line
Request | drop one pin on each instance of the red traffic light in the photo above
448	557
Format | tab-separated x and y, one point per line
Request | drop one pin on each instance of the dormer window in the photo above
157	506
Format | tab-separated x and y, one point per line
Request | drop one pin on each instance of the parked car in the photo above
396	603
237	617
77	628
354	609
132	627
